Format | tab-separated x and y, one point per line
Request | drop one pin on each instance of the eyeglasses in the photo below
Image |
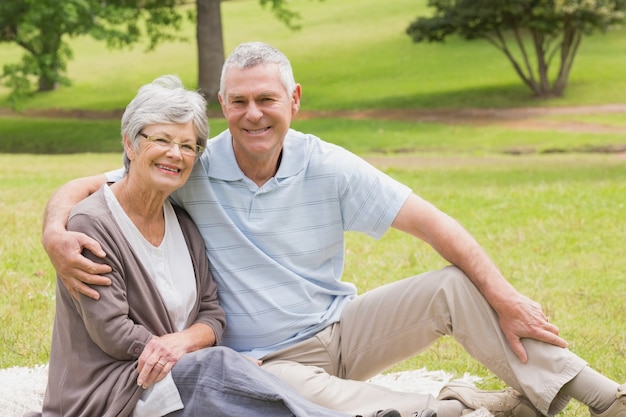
187	149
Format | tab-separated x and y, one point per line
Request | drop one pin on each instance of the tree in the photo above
544	31
41	27
210	47
211	43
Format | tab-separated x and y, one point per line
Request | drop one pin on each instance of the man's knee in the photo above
452	278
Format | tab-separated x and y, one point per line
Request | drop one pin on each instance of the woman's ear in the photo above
128	147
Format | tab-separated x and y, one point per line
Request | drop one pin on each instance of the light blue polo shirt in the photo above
277	251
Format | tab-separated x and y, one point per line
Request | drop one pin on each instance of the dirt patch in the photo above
78	113
523	118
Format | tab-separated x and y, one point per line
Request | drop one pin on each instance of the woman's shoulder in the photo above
93	206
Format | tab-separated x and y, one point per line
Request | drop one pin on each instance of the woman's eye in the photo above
163	141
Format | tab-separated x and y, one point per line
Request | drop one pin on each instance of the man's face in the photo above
258	110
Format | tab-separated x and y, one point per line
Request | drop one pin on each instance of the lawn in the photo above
552	223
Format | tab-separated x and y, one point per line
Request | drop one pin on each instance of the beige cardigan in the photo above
96	344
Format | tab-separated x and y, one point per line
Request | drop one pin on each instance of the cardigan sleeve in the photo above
108	320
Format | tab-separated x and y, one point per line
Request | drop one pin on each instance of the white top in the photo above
169	266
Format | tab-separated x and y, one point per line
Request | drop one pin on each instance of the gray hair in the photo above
164	101
251	54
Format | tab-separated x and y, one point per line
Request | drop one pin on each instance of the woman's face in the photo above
165	156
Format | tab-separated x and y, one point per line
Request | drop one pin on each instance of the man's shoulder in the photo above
218	139
314	144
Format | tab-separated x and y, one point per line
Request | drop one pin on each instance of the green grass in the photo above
27	284
371	64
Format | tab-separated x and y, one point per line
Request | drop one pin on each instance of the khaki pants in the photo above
401	319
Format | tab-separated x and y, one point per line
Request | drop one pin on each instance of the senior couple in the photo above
204	278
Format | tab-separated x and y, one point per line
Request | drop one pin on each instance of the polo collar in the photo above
222	163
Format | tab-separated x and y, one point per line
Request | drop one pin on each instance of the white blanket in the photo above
22	389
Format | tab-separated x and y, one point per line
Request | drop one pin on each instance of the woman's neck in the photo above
144	208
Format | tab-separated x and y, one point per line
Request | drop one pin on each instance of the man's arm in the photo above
65	248
520	317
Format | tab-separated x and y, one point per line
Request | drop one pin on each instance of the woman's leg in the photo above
223	383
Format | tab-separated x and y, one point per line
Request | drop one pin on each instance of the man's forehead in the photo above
253	81
266	69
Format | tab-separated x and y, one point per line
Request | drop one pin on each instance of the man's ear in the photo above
295	99
222	103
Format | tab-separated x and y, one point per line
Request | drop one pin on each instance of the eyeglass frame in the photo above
165	141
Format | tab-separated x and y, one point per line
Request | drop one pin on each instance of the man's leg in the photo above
418	310
349	396
222	383
401	319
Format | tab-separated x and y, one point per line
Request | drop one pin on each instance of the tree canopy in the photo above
41	28
539	37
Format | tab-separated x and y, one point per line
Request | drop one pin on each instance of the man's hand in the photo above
65	248
524	318
65	252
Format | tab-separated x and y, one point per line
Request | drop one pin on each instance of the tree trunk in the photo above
46	84
538	39
48	53
569	48
210	47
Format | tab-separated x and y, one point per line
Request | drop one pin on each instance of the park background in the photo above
541	184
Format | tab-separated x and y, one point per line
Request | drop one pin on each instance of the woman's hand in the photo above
158	358
162	352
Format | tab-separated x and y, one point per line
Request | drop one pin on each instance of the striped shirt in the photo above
277	251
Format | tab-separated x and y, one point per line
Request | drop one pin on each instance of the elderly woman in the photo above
146	347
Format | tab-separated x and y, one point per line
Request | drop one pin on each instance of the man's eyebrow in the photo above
235	96
262	94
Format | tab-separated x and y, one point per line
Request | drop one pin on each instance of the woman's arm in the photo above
108	321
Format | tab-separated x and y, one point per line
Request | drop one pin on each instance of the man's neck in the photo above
260	171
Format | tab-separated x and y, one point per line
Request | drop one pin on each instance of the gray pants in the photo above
219	382
401	319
